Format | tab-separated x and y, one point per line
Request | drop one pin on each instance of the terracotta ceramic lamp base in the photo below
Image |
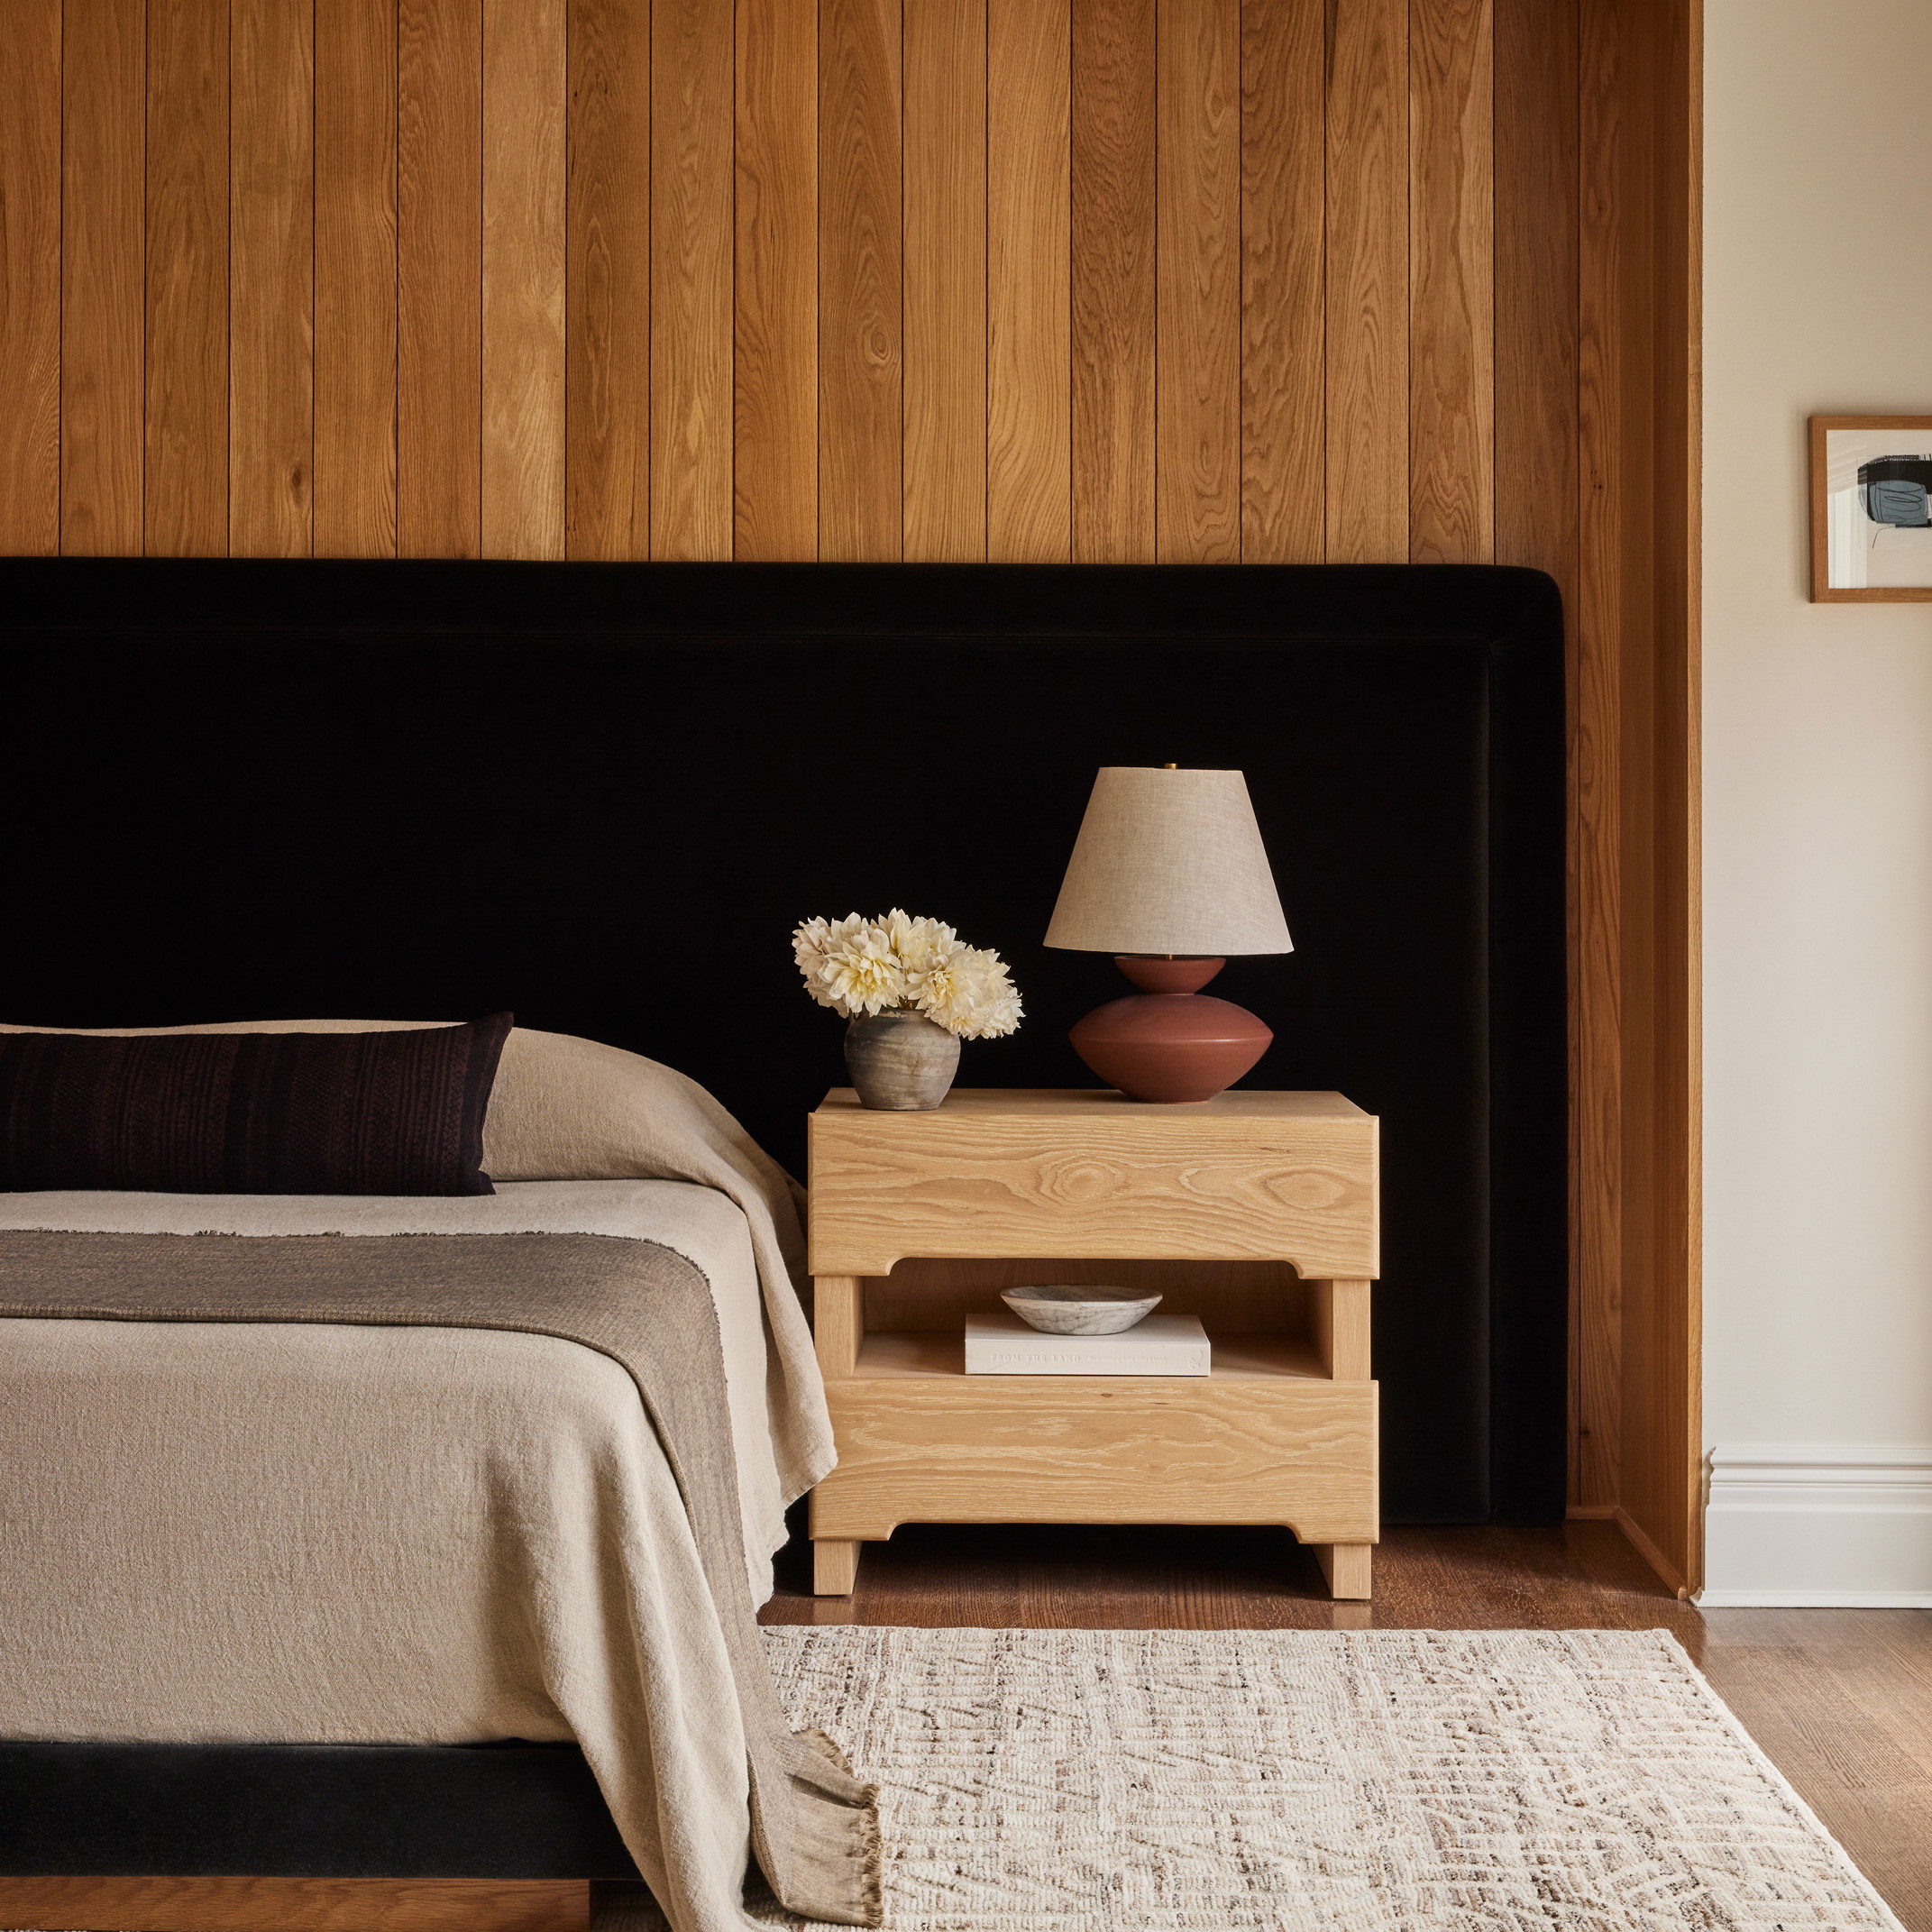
1169	1042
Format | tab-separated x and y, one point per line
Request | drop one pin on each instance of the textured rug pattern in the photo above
1116	1780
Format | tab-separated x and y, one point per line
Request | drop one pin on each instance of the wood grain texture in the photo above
30	278
1284	140
1679	1492
297	1904
692	115
1127	1449
1452	283
1114	320
1659	1474
1087	1174
837	1321
834	1566
1198	362
439	221
525	111
1535	163
1028	397
860	354
1270	1434
1596	729
1368	282
1537	510
1348	1568
355	292
1635	706
103	277
776	423
185	472
270	284
1339	1325
943	470
607	283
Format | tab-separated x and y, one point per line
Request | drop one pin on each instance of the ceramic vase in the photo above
901	1061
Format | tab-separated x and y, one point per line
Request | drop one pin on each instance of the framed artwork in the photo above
1871	510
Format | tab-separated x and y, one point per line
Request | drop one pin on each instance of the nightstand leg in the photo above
1346	1565
834	1566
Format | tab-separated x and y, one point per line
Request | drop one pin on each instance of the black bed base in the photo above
400	1811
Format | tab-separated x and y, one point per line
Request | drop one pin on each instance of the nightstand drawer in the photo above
1046	1448
1284	1178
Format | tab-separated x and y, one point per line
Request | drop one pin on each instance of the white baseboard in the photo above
1818	1526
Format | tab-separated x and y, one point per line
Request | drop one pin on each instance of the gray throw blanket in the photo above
814	1826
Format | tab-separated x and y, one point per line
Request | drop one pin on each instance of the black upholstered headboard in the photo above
602	795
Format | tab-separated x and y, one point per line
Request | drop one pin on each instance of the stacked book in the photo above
1162	1344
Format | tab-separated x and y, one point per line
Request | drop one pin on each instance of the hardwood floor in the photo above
1840	1700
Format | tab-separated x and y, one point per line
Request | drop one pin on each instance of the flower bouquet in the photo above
911	991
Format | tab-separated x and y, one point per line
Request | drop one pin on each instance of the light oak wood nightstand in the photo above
1258	1212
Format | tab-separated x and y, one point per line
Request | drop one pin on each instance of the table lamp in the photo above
1169	875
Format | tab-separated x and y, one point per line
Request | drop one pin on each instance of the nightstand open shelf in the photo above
1256	1212
917	1354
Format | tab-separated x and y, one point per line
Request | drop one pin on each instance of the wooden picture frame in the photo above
1840	519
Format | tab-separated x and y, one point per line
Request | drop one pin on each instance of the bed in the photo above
373	1470
602	794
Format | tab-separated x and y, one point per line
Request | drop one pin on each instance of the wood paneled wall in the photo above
1176	281
1193	280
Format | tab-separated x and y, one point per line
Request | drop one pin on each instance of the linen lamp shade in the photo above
1169	862
1169	874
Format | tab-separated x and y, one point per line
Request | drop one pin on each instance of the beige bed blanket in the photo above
564	1109
592	1579
768	1430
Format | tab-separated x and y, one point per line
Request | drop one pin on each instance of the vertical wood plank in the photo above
271	255
1654	70
1368	279
607	283
30	278
1198	382
944	462
185	485
692	122
859	281
103	276
1282	388
776	408
1536	165
1452	283
439	296
355	360
1029	369
1113	267
1596	757
1537	510
523	433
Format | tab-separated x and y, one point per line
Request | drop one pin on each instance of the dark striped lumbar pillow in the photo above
364	1113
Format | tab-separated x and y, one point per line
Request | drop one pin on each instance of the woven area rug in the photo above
1110	1780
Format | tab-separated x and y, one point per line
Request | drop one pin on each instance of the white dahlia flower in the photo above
856	965
809	942
860	971
971	992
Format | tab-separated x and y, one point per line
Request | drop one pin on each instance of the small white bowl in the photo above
1079	1310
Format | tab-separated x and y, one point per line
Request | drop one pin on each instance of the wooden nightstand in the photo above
1269	1200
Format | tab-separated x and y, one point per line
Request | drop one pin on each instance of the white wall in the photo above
1818	815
